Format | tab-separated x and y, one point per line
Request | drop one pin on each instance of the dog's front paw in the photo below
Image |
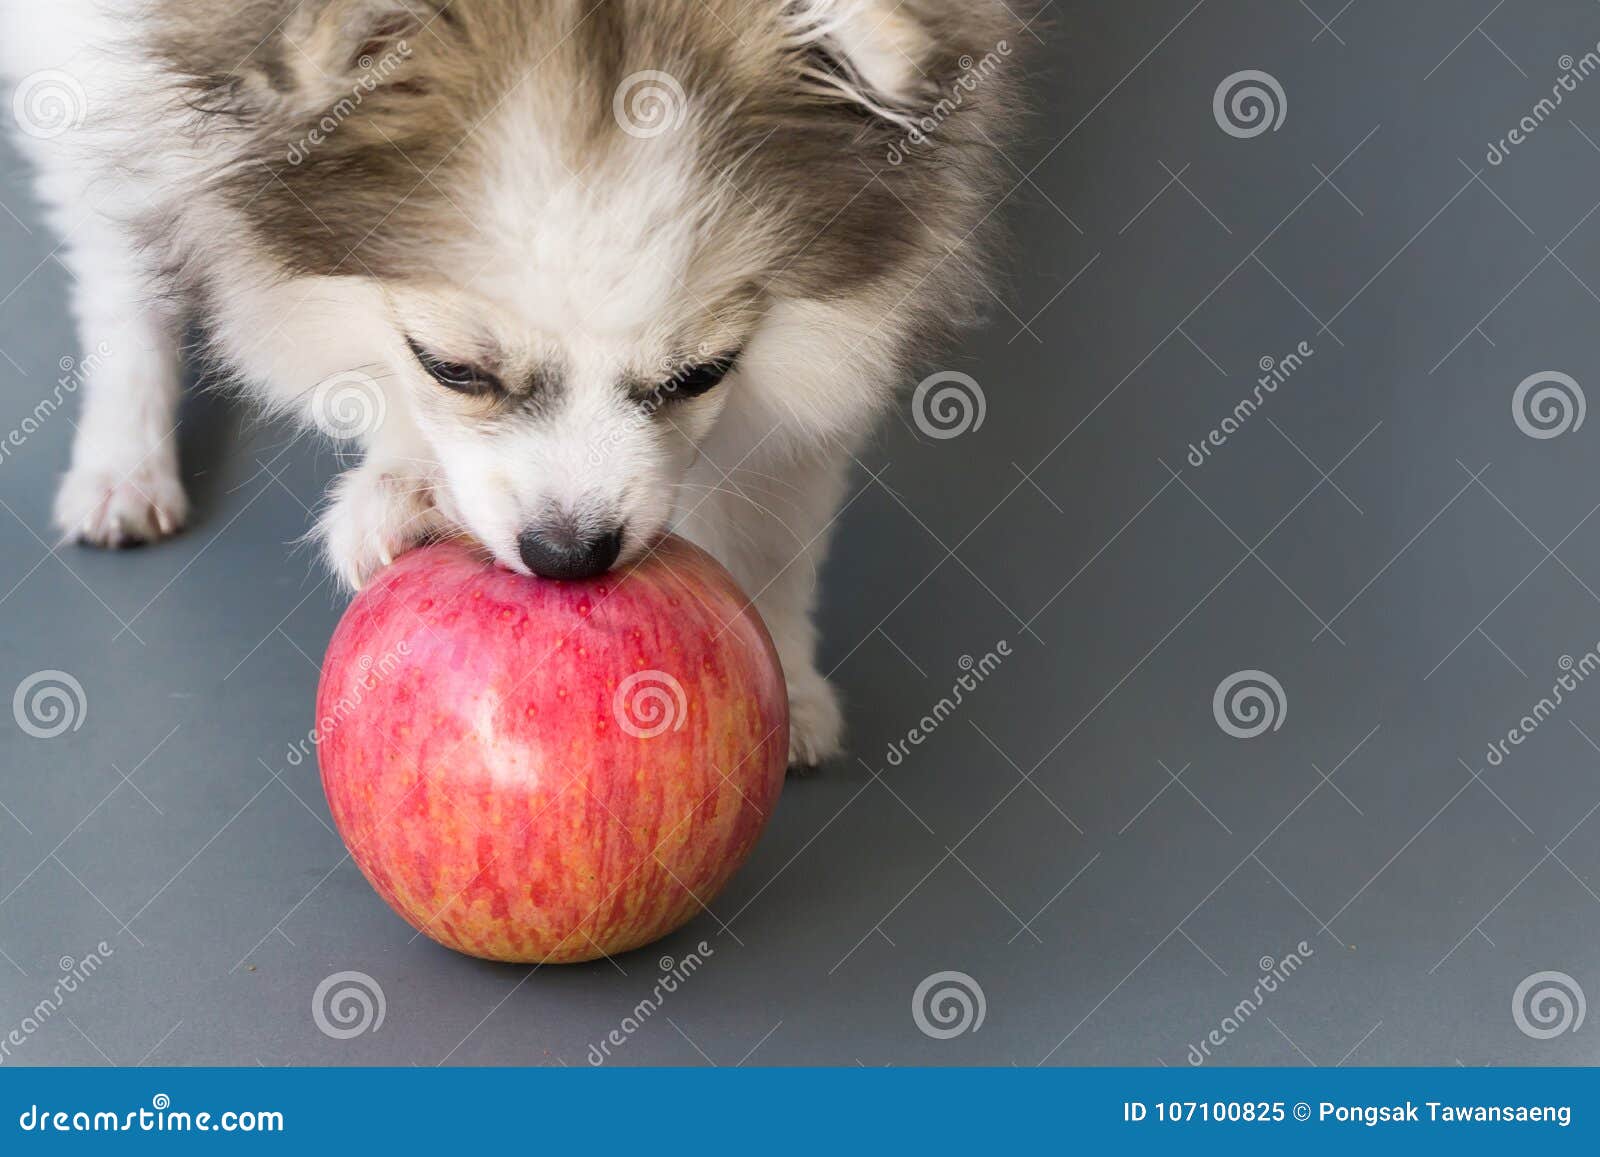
375	516
816	723
107	506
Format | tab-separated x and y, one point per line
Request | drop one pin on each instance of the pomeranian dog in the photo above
569	272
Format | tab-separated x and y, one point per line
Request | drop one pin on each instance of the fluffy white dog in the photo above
573	271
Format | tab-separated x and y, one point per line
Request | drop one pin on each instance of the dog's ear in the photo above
246	62
869	53
894	58
331	41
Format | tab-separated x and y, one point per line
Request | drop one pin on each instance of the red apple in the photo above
531	770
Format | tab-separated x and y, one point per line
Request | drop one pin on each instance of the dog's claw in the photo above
374	517
102	507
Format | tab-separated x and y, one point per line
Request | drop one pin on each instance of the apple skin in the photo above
512	765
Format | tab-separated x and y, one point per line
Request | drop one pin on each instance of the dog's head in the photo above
561	236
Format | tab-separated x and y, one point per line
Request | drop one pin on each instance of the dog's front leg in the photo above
123	485
383	507
768	521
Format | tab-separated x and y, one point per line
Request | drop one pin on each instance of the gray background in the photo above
1082	838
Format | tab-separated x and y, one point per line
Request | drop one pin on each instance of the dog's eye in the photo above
463	379
692	381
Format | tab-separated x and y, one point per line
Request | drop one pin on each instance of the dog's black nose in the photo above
563	553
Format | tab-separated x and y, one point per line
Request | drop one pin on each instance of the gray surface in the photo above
1413	603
